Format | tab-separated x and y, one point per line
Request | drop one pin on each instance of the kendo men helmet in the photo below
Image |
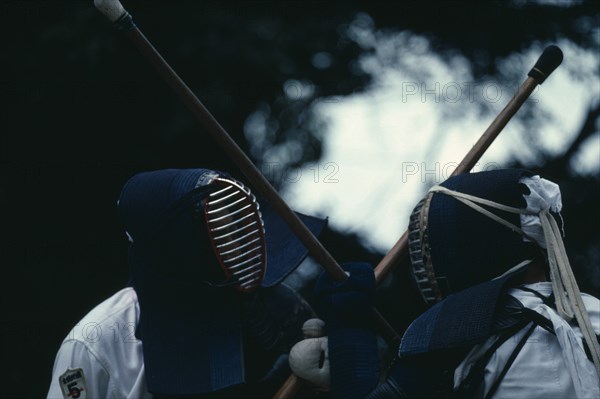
196	236
469	238
454	245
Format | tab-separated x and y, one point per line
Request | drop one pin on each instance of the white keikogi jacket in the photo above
101	357
548	366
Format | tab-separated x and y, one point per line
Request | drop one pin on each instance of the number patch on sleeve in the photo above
72	383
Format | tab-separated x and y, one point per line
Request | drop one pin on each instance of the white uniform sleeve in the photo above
74	354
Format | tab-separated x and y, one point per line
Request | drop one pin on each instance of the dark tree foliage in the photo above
82	112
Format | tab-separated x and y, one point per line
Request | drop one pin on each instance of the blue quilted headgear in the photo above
454	247
191	331
469	239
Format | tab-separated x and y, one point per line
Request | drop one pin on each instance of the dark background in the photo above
82	112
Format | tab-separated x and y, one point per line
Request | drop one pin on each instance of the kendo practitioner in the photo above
205	314
506	319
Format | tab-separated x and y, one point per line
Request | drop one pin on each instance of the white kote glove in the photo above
309	358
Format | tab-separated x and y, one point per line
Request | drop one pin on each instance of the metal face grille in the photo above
420	259
236	230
